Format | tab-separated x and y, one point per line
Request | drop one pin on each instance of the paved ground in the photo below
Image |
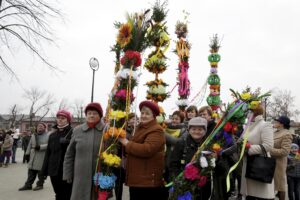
14	176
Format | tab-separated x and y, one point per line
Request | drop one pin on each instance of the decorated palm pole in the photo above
156	61
131	41
183	52
213	100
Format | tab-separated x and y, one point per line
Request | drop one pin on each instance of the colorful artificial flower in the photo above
104	181
102	195
245	96
111	159
203	162
254	104
216	147
113	132
117	115
131	58
248	145
185	196
227	127
202	181
125	35
213	162
191	172
122	94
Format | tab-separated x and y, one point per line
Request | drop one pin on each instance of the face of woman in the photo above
146	115
61	121
132	122
191	114
175	120
92	116
277	125
197	132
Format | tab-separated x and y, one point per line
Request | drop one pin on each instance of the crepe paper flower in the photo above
202	181
212	162
248	145
216	147
114	132
227	127
125	35
159	89
185	196
117	115
111	159
214	70
125	73
182	102
254	104
104	181
191	172
245	96
160	119
121	94
203	162
131	58
102	195
235	128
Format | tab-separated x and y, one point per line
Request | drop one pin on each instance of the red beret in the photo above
152	106
65	114
94	106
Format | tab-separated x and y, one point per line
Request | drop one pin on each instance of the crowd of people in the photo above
152	155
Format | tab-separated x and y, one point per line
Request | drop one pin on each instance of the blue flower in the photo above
186	196
104	181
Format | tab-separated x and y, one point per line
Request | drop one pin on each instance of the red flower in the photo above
248	145
214	107
131	58
234	128
202	181
102	195
227	127
191	172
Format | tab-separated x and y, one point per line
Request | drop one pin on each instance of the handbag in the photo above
261	168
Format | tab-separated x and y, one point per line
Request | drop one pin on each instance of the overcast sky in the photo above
260	48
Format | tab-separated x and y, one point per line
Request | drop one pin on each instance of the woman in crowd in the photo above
260	133
184	151
57	146
293	173
7	148
191	112
145	156
81	156
282	144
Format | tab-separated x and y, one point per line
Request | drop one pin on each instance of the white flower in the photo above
213	162
203	162
182	102
125	73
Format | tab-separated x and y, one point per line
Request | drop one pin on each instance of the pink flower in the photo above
121	94
191	172
202	181
102	195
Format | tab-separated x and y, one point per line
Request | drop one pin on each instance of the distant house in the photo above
23	122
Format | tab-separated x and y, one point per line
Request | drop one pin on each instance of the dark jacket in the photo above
182	154
25	142
56	150
210	127
145	156
293	166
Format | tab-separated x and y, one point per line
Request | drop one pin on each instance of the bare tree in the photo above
26	21
78	110
282	102
15	116
40	103
64	104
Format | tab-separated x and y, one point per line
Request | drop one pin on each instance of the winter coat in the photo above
293	166
182	154
57	146
210	127
280	151
37	156
25	141
8	143
260	132
80	160
145	156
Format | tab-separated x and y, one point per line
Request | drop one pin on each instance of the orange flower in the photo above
124	35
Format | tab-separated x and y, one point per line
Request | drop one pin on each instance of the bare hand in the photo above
123	141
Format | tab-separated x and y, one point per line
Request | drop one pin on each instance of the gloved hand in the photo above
37	147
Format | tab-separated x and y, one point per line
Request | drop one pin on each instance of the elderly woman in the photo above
145	156
260	133
81	156
282	145
57	146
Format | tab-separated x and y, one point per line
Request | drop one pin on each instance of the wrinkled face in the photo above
197	132
146	115
61	120
40	128
175	120
204	114
92	116
191	114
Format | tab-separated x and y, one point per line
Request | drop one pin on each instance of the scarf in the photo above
62	127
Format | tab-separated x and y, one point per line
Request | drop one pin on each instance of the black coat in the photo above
56	150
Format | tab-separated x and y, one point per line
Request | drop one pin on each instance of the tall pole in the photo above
92	97
266	109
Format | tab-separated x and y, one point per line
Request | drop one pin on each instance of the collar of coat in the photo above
100	126
148	124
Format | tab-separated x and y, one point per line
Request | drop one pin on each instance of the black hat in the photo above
284	120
